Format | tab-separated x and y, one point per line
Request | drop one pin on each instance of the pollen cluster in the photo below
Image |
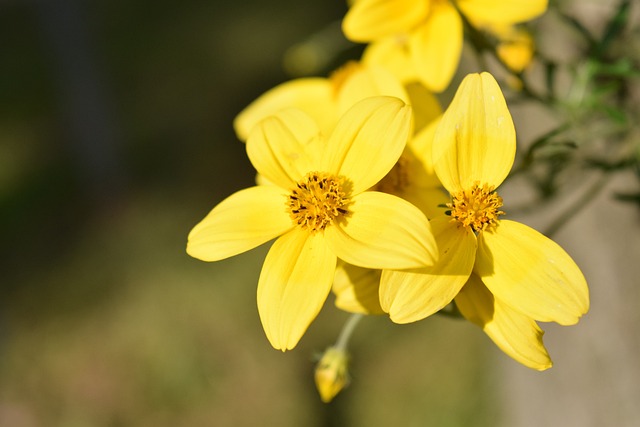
477	207
318	199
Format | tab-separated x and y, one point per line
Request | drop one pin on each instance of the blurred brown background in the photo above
116	138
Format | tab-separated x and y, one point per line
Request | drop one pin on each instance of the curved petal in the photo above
284	147
240	222
369	20
487	12
422	146
475	140
518	335
409	296
436	46
531	273
294	283
368	140
367	81
312	95
356	289
382	231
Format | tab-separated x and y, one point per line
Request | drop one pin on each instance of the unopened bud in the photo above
332	373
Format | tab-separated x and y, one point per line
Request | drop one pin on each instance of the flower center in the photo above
318	199
397	179
476	207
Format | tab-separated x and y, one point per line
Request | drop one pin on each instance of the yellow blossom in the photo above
319	205
527	276
423	38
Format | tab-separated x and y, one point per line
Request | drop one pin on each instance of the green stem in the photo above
347	330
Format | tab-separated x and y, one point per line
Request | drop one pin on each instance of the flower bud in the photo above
332	373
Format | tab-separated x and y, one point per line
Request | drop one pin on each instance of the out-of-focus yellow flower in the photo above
319	205
324	99
515	46
332	373
527	276
423	38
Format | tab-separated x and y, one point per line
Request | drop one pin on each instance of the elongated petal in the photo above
294	284
369	20
368	140
476	139
436	46
487	12
518	335
356	289
240	222
312	95
284	147
409	296
532	274
383	231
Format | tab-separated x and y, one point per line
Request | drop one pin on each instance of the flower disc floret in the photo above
318	199
477	207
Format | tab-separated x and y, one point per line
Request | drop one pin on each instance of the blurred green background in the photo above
115	139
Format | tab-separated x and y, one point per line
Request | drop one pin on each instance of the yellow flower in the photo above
319	206
528	277
425	36
324	99
332	373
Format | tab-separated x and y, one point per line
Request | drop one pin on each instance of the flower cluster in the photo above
371	190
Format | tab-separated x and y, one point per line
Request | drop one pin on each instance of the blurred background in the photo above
116	138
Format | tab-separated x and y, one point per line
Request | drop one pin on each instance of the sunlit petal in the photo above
531	273
409	296
475	140
294	284
436	46
241	222
482	12
356	289
312	95
368	140
369	20
518	335
284	147
383	231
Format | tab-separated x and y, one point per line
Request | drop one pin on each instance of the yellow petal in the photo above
518	335
285	147
531	273
294	284
436	46
483	12
367	81
409	296
368	140
356	289
382	231
476	139
369	20
422	146
393	54
312	95
240	222
425	105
